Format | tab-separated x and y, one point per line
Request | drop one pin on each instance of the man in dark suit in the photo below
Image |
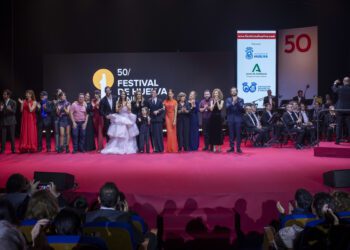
44	120
272	100
234	112
156	113
267	121
343	102
107	107
292	123
300	97
109	198
7	120
252	124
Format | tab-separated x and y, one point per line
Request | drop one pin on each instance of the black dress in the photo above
216	136
89	132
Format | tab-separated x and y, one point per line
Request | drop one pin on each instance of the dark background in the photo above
33	28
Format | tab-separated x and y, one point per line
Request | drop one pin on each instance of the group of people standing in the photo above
136	125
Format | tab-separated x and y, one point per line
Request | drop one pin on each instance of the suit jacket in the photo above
288	120
343	93
49	110
234	112
115	216
8	117
105	108
296	99
248	121
265	119
274	101
156	106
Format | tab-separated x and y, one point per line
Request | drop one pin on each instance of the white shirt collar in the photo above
107	208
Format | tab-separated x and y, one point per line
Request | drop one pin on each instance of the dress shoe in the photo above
337	142
239	150
205	149
298	146
48	150
74	151
230	150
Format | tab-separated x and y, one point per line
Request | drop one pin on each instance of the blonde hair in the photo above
220	95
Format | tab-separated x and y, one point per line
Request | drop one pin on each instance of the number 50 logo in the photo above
302	43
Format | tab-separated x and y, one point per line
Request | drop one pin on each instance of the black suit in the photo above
105	110
156	124
274	101
251	123
45	122
289	120
343	102
115	216
8	123
329	130
310	131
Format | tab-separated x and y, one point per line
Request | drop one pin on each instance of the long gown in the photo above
122	132
98	122
194	128
170	106
28	141
216	136
89	133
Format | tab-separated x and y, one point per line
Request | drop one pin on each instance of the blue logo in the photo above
251	88
249	53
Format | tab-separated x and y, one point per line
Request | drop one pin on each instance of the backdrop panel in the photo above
76	73
297	62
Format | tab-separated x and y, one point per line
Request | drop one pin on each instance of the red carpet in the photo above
187	185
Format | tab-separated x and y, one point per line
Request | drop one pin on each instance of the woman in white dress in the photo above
122	130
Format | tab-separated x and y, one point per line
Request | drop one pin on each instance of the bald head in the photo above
346	80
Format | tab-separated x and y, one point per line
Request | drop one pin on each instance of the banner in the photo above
256	65
297	62
182	72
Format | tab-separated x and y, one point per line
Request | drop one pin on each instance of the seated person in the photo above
267	121
7	212
253	125
310	130
293	125
330	123
109	199
17	192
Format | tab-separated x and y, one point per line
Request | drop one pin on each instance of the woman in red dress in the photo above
97	119
170	105
28	141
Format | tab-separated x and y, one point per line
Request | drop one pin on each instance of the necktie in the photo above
253	120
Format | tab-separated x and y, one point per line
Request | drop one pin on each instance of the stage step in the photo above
330	149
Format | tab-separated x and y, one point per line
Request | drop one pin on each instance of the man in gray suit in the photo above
343	102
7	120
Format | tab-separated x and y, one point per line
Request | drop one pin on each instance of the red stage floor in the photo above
191	184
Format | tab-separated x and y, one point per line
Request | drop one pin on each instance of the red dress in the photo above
98	121
170	106
28	141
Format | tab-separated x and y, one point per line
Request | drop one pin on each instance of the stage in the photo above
182	186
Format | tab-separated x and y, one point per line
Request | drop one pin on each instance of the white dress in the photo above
122	133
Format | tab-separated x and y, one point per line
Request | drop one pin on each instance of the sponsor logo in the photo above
249	53
249	87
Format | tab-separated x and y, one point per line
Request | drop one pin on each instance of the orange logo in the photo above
103	78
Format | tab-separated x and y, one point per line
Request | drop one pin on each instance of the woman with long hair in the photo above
216	137
170	106
62	111
89	132
29	135
97	119
123	129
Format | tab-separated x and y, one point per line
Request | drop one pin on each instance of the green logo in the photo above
256	68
